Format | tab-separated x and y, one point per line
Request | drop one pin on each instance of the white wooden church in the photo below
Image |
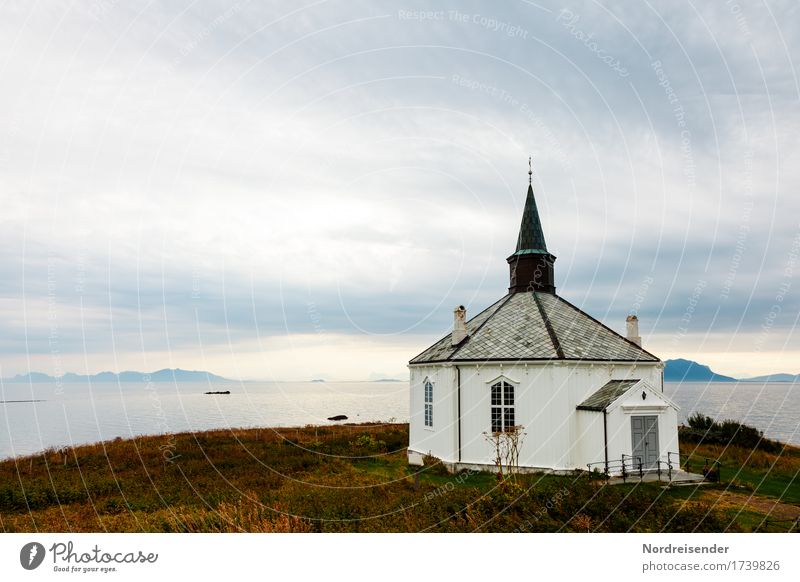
582	394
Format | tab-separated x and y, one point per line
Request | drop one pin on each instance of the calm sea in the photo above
76	413
773	407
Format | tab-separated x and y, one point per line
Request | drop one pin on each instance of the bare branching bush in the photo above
506	446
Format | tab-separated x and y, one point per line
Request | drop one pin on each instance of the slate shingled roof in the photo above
531	235
601	399
535	326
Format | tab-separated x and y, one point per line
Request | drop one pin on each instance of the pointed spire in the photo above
531	235
531	265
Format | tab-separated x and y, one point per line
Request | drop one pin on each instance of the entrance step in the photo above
679	477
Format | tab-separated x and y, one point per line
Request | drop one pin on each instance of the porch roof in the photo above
606	395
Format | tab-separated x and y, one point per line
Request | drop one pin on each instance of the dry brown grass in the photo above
786	462
246	515
733	501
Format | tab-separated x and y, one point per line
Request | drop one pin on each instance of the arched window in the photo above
428	403
502	406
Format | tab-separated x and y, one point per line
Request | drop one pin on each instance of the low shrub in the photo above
434	465
703	429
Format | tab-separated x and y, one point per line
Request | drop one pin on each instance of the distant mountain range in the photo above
681	370
774	378
678	370
166	375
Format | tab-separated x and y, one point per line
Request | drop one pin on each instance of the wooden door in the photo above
644	437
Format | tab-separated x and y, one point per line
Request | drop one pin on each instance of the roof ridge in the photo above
480	327
619	335
549	327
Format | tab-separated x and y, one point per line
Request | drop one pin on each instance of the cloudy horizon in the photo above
284	191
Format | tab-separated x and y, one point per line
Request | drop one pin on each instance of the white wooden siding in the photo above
557	435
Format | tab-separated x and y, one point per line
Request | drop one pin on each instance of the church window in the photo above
502	406
428	403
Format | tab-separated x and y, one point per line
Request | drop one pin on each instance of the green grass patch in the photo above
347	478
773	475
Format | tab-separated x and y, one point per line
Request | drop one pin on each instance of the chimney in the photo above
459	325
632	324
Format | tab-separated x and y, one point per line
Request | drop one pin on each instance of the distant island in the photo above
166	375
680	370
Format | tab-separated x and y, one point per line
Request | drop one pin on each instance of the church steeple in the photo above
531	264
531	235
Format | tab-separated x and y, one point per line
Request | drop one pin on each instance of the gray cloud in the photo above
264	169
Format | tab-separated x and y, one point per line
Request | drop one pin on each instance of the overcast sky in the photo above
307	189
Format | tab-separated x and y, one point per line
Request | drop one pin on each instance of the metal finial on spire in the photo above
530	171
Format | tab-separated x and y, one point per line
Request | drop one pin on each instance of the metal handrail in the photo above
622	464
669	463
630	464
628	460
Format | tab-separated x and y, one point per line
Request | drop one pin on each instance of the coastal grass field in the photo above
354	478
